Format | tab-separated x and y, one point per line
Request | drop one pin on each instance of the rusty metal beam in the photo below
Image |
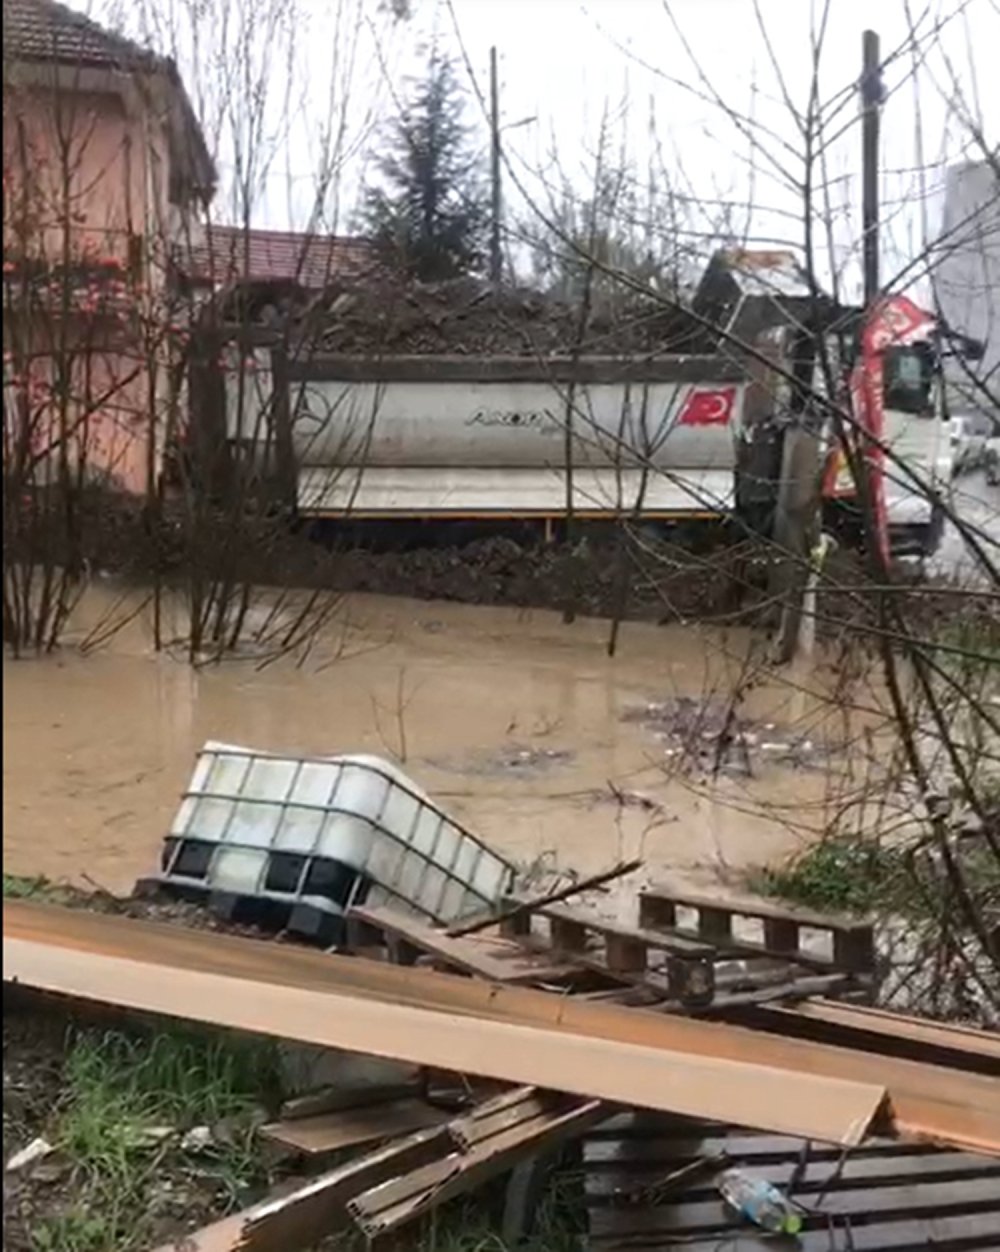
927	1100
621	1073
962	1046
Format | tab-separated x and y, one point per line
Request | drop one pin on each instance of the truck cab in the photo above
899	400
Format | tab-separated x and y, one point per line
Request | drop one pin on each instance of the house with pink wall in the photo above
106	173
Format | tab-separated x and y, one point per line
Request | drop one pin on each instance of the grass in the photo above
18	887
845	874
465	1227
854	874
118	1088
126	1102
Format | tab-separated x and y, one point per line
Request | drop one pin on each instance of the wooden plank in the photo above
759	907
790	990
605	927
387	1208
701	985
516	914
937	1034
493	959
508	1109
689	984
730	947
329	1132
624	953
853	937
311	1210
340	1099
635	1149
911	1036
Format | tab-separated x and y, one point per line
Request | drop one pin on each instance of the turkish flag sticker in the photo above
708	408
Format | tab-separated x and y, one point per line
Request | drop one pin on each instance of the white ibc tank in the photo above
243	807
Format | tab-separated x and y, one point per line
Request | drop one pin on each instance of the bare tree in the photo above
929	798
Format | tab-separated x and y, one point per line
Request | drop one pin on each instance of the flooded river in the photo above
520	725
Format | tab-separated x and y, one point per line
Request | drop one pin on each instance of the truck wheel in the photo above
935	531
924	541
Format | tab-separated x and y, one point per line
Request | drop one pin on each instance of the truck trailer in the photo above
657	437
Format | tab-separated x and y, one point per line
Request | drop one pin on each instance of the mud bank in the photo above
676	574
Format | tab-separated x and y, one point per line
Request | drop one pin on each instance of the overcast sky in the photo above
650	68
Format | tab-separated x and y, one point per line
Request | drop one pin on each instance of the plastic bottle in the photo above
759	1202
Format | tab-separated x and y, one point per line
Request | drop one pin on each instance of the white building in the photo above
967	276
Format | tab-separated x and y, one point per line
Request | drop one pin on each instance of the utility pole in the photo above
871	105
495	260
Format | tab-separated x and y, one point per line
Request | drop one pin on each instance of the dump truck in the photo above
498	438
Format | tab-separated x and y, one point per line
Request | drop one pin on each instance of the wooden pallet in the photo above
405	940
881	1196
682	970
716	920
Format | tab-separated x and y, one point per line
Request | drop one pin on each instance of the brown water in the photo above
512	720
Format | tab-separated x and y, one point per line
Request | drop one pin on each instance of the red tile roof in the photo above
232	254
39	31
47	31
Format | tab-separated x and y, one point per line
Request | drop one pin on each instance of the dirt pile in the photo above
586	577
665	580
467	318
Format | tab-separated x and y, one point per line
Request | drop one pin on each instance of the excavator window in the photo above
909	379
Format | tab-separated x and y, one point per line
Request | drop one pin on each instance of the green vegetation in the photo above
119	1123
559	1223
427	212
844	874
126	1104
16	887
857	875
466	1226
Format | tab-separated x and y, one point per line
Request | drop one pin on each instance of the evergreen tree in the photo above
428	216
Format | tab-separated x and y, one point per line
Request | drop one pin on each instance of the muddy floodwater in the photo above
518	724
